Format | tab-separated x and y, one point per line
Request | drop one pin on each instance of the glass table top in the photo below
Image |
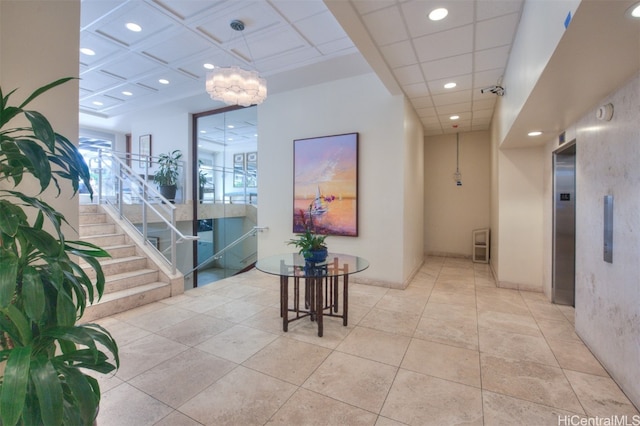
294	265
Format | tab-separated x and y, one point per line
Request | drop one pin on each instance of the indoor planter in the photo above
202	181
44	353
167	174
312	246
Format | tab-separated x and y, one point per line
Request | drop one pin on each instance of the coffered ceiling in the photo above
469	47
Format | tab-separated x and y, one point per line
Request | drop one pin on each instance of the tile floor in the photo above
450	349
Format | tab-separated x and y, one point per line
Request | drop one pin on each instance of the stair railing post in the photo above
119	174
99	176
173	242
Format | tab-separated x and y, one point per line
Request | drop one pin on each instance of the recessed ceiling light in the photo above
450	85
536	133
231	126
438	14
87	51
127	93
209	66
635	10
133	27
203	131
98	103
163	81
454	117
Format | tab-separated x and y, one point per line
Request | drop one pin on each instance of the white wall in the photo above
413	233
359	104
452	212
608	294
520	216
532	48
29	63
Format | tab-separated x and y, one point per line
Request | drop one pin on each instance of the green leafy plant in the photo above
167	173
308	242
43	289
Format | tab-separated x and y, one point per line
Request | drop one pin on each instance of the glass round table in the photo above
320	282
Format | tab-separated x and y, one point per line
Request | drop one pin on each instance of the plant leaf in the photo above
33	294
42	240
14	385
48	389
43	89
8	276
40	166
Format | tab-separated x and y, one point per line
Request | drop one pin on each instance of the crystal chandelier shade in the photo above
234	85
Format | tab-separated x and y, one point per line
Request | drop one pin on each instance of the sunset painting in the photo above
325	185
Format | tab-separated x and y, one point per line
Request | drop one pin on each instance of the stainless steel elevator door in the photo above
564	225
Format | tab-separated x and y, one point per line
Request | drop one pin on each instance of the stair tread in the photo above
108	261
120	294
128	274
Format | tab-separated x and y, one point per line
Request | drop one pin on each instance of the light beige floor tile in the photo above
307	331
375	345
132	314
242	397
541	311
559	330
176	418
143	354
449	312
180	378
195	330
362	295
385	421
268	320
417	399
353	380
267	297
509	306
502	410
309	408
237	343
451	297
162	318
573	355
123	332
401	304
539	383
516	346
235	311
288	359
403	323
443	361
516	323
203	303
357	313
601	396
237	291
459	333
126	405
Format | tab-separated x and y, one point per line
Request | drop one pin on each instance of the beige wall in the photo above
358	104
452	212
39	43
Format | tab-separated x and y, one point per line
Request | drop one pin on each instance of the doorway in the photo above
564	225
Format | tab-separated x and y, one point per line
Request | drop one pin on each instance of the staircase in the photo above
132	277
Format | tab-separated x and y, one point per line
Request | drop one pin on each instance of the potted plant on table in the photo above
167	174
44	353
311	244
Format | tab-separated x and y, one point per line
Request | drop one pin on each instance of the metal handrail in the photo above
234	243
125	172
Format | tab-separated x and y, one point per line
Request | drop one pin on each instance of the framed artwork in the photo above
145	150
325	185
238	170
252	169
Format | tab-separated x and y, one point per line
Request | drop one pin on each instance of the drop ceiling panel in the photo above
151	21
415	90
270	43
452	98
340	47
367	6
409	74
130	65
463	82
448	67
187	9
416	16
103	49
181	45
491	58
257	16
399	54
457	109
294	10
422	102
487	78
444	44
95	10
97	81
320	28
494	8
496	32
386	26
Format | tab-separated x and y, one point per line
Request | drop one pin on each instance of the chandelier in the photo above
234	85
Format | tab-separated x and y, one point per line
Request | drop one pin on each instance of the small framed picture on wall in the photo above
145	150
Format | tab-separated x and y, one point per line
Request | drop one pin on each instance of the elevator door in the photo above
564	225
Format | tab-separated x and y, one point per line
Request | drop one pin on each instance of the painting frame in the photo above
325	184
144	150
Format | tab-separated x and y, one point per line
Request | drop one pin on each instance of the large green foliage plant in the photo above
45	355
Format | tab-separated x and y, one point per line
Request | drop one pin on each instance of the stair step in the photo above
97	229
105	240
88	208
116	266
125	300
92	218
126	280
120	250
